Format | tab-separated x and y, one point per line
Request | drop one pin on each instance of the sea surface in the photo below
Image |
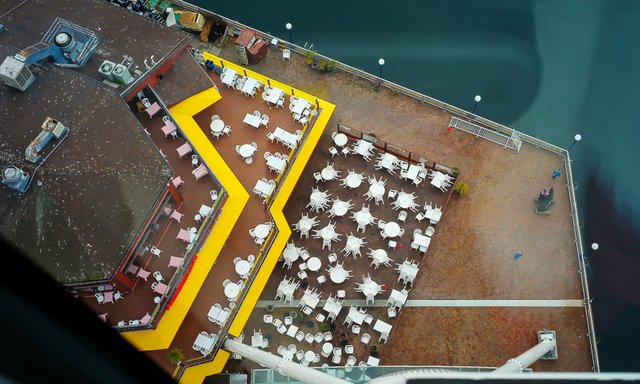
549	68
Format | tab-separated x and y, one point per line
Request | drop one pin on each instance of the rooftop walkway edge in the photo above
196	374
162	336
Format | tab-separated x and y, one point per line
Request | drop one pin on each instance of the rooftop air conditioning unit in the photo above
15	178
16	73
106	69
122	74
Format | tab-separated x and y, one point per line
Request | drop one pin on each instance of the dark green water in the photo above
547	68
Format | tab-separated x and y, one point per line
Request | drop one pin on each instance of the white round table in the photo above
287	355
364	217
314	264
290	254
392	229
243	267
305	224
262	231
328	173
327	347
340	208
318	198
354	242
405	200
217	126
231	290
376	190
246	150
354	180
309	356
370	288
338	275
379	255
340	139
327	233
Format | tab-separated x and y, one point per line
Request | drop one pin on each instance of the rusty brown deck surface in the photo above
472	255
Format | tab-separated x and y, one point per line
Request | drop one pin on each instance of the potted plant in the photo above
309	57
175	355
270	308
461	188
455	171
330	65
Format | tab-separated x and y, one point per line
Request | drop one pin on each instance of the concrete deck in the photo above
472	256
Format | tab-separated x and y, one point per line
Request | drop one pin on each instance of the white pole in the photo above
518	364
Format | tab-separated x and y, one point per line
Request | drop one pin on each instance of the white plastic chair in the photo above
286	54
430	231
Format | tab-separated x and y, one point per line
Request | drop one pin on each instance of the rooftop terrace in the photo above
472	255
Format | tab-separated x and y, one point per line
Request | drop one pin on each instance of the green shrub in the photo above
461	188
308	57
175	355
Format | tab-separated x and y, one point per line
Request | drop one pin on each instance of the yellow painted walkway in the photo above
196	374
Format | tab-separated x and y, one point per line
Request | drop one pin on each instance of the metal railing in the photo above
512	141
591	329
247	282
402	153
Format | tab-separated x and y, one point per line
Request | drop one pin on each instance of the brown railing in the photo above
402	153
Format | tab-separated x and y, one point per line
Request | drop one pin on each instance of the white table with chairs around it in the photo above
243	267
252	120
232	290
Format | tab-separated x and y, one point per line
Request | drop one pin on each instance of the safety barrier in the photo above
512	141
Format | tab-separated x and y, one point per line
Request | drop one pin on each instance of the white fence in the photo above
512	141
